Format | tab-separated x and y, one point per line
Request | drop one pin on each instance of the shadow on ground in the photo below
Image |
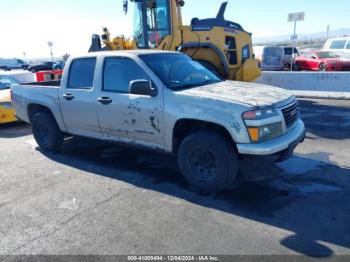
331	121
306	202
14	130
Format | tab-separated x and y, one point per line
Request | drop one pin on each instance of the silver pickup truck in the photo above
164	101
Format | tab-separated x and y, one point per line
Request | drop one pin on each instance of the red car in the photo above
321	61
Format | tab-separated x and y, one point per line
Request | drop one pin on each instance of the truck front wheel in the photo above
46	132
208	161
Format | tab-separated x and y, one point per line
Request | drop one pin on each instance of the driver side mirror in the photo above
314	57
142	87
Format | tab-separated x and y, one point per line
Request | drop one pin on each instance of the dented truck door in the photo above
124	116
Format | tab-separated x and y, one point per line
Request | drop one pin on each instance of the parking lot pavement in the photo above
96	198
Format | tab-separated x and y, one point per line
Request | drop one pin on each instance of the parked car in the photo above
48	65
340	46
58	65
277	58
7	112
321	61
9	64
164	101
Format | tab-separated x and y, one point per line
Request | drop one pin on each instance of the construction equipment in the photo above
222	46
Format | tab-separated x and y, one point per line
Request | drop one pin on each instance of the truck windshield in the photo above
179	71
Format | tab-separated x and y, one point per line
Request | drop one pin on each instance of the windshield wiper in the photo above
184	86
209	82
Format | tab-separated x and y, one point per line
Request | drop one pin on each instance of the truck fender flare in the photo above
211	46
34	108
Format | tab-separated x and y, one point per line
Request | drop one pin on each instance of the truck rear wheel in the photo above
46	132
208	161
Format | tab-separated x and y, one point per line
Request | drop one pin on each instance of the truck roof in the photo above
124	52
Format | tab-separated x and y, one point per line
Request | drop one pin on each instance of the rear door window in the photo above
338	44
81	74
348	45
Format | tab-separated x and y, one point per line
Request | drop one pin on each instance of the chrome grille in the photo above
291	114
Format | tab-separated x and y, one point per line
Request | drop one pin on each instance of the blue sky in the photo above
27	25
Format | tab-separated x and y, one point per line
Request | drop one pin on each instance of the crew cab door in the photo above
77	102
124	116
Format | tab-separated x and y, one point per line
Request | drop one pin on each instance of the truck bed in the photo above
42	93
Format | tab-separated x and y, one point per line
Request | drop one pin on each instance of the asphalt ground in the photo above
98	198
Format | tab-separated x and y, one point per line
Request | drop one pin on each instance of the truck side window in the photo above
81	74
119	72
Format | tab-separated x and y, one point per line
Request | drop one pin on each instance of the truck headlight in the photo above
260	113
264	133
6	105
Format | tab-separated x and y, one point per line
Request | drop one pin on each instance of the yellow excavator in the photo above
222	46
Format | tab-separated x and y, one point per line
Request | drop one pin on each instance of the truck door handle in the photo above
105	100
68	96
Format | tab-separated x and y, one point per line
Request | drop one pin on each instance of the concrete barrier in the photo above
310	84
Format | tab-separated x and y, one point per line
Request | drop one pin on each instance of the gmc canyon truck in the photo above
163	101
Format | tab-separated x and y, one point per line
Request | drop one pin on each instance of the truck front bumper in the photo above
284	144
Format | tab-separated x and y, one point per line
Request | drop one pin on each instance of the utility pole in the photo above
328	29
50	44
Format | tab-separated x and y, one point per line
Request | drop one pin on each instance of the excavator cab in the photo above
152	22
222	46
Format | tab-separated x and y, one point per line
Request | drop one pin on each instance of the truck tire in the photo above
46	132
208	161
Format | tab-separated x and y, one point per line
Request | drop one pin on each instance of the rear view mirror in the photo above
314	57
142	87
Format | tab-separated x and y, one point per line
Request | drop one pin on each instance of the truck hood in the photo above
241	92
5	95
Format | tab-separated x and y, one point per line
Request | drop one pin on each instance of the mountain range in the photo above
302	37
